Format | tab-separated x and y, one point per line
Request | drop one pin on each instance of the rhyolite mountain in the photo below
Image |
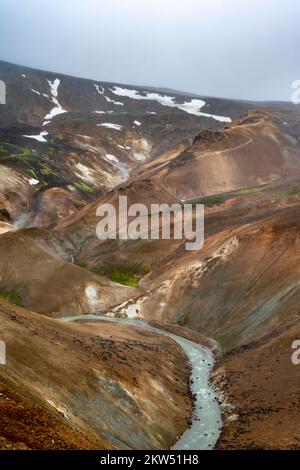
83	137
69	144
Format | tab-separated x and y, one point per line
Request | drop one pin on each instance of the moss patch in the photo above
12	297
218	199
183	321
128	275
84	187
286	194
81	263
38	166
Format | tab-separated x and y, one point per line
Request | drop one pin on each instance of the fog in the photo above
246	49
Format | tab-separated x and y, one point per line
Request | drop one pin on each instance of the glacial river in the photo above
206	421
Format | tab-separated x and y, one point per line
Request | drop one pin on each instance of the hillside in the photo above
68	145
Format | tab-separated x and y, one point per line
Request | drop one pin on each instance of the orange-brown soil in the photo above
119	385
25	425
261	385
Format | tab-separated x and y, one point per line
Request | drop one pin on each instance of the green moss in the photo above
35	164
183	321
256	189
46	170
11	297
33	173
23	155
286	194
127	275
51	147
212	200
122	278
81	263
146	269
217	199
84	187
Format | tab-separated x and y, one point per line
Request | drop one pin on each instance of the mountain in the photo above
67	146
84	137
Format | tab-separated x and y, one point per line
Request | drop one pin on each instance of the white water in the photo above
206	425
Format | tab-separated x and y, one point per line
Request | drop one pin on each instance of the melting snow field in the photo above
206	424
191	107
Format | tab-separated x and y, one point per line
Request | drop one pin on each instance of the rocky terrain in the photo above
68	145
102	380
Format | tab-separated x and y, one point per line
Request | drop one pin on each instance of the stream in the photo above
206	420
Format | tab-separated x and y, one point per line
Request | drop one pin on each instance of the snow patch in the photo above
23	75
123	147
40	137
33	181
54	87
58	109
109	100
191	107
35	91
110	125
111	158
103	112
137	123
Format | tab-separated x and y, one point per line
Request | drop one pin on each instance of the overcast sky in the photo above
230	48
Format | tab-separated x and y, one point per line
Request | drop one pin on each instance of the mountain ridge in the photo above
260	103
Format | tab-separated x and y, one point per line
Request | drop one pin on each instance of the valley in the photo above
142	344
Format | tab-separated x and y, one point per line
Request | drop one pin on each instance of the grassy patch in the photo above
12	297
146	269
14	152
286	194
127	275
210	201
35	165
81	263
218	199
256	189
183	321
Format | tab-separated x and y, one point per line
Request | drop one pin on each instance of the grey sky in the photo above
231	48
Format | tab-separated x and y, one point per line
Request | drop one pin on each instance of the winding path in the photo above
206	421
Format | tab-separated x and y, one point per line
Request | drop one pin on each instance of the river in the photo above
206	420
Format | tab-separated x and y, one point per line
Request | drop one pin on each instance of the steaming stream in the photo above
206	421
